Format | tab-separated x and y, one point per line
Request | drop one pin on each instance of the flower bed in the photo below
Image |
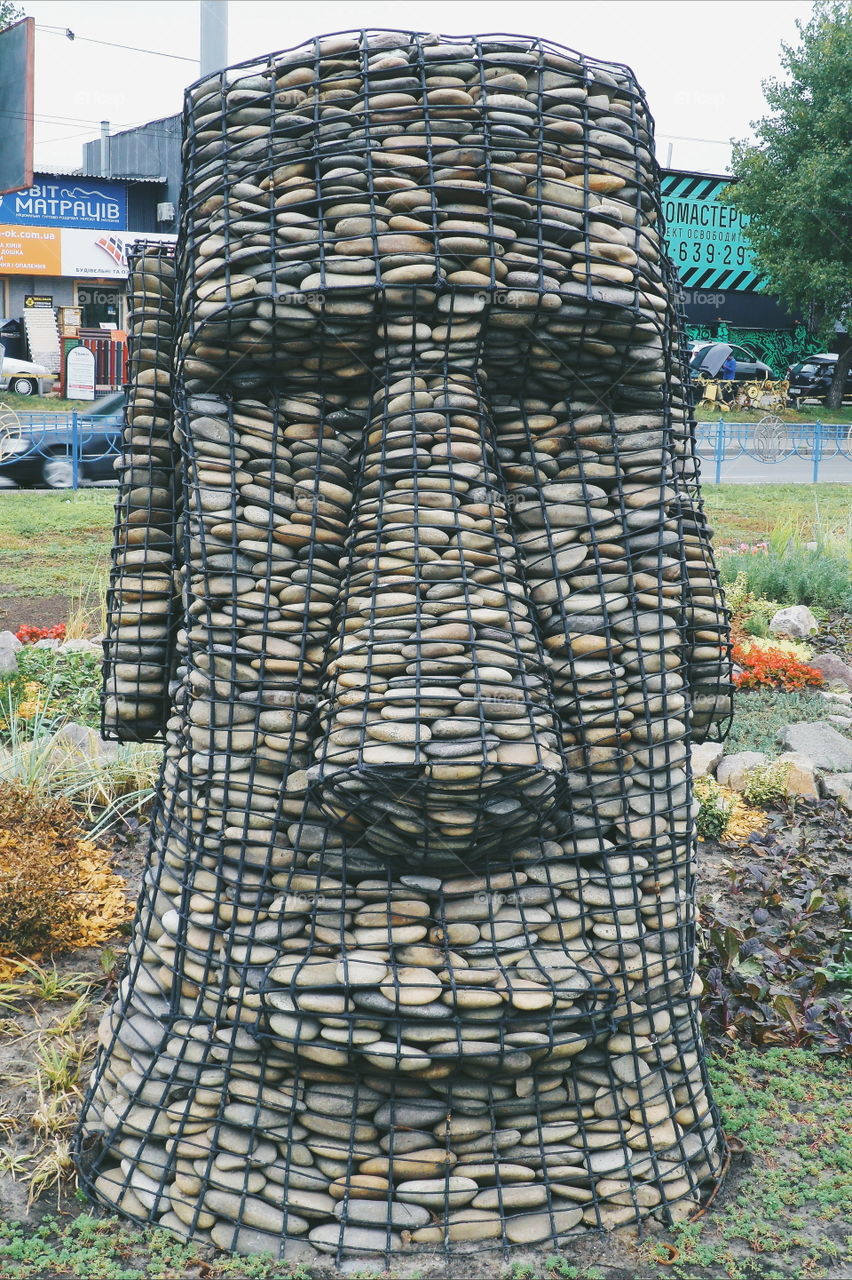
29	635
774	667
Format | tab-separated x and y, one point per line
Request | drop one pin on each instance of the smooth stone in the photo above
361	969
382	1212
359	1186
412	986
331	1236
247	1240
462	1224
521	1196
254	1212
438	1193
531	1228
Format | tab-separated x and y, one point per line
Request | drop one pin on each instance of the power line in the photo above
108	44
674	137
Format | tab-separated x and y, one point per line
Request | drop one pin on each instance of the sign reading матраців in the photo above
84	202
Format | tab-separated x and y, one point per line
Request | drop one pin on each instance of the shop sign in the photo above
93	253
38	302
80	374
67	202
707	237
63	251
30	251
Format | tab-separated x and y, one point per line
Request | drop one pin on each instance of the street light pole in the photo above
214	35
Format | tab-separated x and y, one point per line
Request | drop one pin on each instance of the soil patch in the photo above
36	611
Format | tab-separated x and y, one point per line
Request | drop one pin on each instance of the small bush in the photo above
752	612
40	857
714	811
782	644
56	888
818	576
766	784
760	713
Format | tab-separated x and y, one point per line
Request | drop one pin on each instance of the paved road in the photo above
775	453
743	469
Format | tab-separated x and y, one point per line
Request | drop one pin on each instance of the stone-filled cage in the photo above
413	576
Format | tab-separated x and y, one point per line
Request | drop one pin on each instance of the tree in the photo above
9	13
795	180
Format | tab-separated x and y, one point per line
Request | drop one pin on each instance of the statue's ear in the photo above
142	604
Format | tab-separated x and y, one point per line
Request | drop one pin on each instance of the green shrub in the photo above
760	713
69	686
713	810
766	784
818	576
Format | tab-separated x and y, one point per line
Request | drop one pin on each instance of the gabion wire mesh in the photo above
414	960
142	600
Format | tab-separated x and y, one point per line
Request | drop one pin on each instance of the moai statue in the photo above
420	590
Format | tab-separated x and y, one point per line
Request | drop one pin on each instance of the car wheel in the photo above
57	472
22	387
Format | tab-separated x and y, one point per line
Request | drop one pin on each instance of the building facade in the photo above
63	241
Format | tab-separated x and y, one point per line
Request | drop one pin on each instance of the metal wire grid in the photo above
305	1049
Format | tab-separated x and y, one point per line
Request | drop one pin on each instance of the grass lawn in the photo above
54	543
749	512
33	404
808	413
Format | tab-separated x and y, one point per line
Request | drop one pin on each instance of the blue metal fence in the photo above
65	450
802	452
60	450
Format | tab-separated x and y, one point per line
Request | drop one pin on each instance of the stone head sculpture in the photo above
419	587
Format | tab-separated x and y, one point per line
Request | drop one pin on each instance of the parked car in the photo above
23	378
706	360
813	377
38	448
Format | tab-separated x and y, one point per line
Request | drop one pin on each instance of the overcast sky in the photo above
700	62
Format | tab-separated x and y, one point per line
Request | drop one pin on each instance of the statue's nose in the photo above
438	739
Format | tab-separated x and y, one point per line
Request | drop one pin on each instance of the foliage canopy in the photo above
795	180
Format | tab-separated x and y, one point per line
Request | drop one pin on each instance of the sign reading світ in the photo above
706	236
67	202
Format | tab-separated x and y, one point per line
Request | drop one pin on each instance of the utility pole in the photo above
214	35
104	157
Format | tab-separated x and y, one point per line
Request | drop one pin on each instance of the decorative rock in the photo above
821	743
705	758
532	1228
734	771
801	778
796	621
838	786
436	1193
8	660
834	669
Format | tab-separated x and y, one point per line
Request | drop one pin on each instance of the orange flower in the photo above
773	669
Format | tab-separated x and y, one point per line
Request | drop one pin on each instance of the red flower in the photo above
773	669
28	634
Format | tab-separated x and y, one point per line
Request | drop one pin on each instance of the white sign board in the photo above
80	374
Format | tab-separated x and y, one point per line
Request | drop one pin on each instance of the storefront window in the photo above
100	306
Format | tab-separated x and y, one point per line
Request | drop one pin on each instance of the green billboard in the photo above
706	236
